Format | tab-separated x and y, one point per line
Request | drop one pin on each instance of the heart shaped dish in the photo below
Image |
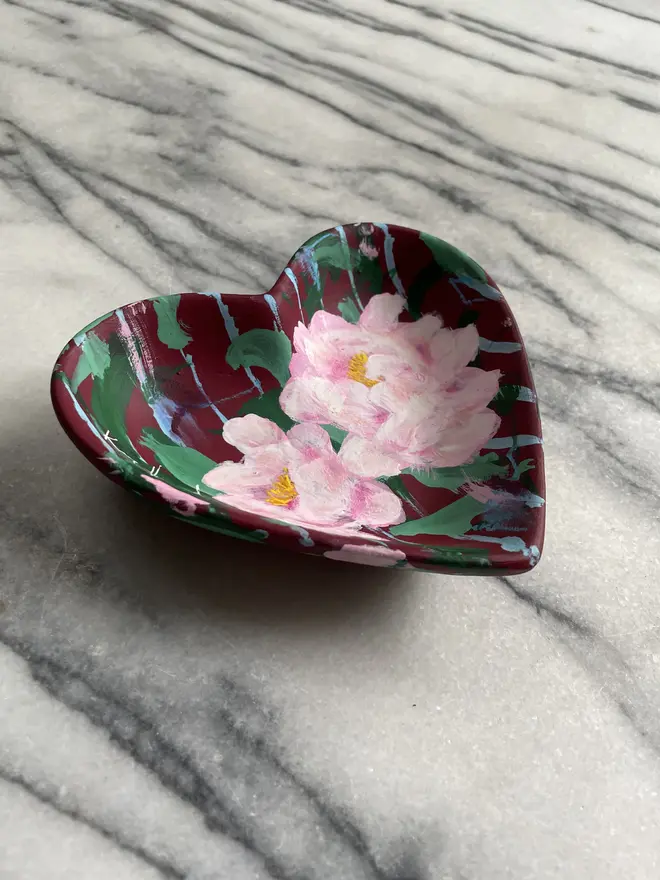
375	406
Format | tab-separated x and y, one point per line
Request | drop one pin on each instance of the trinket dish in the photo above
375	406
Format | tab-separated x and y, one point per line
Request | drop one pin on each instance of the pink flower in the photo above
367	554
402	391
298	478
185	504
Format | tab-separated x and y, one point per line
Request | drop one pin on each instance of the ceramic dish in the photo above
375	406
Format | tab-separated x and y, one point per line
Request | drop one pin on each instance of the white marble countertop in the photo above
175	705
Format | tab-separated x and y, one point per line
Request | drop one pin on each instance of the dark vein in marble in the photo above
626	12
590	649
37	11
55	802
568	50
130	730
594	208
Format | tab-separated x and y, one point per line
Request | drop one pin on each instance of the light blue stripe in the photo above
164	411
270	299
292	278
389	258
526	394
304	538
232	333
83	415
510	544
498	347
480	287
514	442
215	409
344	242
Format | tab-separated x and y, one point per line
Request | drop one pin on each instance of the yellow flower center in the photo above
283	491
357	370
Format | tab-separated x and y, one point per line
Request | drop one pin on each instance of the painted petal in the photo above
381	312
474	389
419	332
324	322
452	350
387	366
251	432
186	503
304	399
299	364
324	491
374	504
461	443
310	440
236	477
363	458
367	554
344	403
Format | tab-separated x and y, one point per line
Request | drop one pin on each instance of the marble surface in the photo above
175	705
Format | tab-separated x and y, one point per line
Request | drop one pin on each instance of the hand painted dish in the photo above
375	406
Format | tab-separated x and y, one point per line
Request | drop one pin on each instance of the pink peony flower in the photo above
367	554
298	478
186	504
402	391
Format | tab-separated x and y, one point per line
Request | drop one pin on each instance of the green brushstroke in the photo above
270	349
313	300
268	407
333	255
170	331
338	258
397	485
349	311
369	269
94	360
447	260
188	466
505	399
111	394
460	557
481	468
453	520
451	260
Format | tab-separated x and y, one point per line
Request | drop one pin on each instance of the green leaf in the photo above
482	468
188	466
336	435
313	298
349	311
453	520
94	360
397	485
460	557
451	260
268	407
170	331
270	349
333	254
504	400
369	270
111	393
